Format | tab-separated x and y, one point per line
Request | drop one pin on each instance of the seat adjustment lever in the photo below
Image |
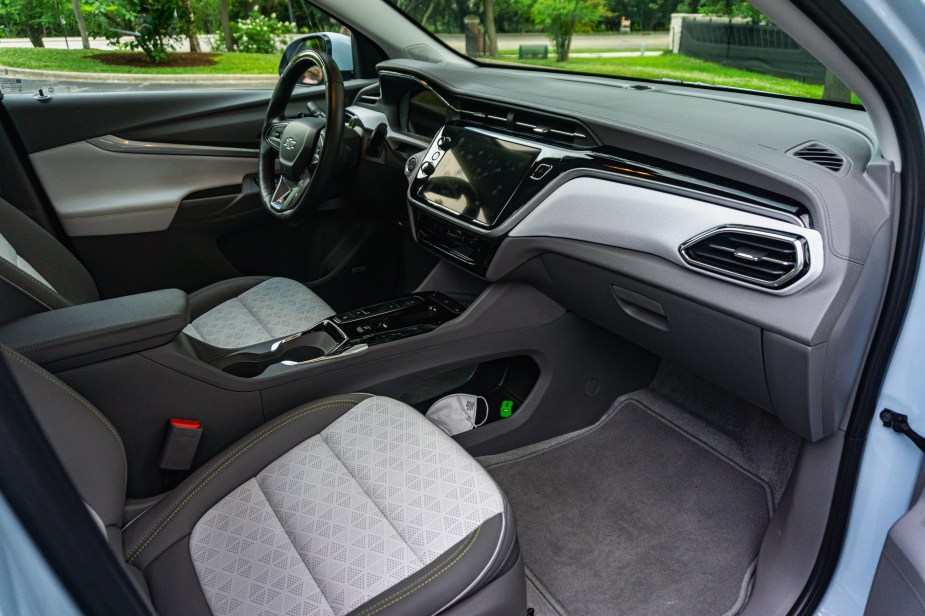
900	423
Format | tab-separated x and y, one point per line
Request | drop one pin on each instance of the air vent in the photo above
763	257
820	154
527	123
368	96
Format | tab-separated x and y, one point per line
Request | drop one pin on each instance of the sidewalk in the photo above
205	40
258	81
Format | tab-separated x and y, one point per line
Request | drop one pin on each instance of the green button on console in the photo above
507	407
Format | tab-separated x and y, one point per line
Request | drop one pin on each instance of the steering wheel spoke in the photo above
274	134
287	191
316	156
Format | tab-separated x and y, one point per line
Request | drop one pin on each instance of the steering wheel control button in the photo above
410	164
540	171
428	168
444	143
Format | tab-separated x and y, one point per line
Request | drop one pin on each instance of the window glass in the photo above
725	43
119	45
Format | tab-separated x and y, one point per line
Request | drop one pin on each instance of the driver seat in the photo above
38	273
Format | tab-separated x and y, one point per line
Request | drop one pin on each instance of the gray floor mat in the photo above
634	516
540	599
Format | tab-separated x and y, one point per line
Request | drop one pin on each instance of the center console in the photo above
468	185
345	333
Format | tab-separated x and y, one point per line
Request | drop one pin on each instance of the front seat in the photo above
354	504
37	273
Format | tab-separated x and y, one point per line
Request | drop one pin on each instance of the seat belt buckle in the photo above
180	445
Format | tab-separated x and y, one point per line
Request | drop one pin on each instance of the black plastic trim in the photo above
48	217
50	509
867	54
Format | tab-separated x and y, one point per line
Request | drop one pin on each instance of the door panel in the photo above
203	117
98	192
190	214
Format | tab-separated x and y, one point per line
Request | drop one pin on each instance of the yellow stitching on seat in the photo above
432	568
217	464
421	584
71	393
218	469
45	286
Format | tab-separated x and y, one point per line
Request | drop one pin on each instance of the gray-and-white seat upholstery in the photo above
37	273
258	309
352	504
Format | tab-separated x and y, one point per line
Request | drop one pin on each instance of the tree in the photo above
153	26
649	14
226	24
490	29
732	9
560	19
81	24
189	28
30	17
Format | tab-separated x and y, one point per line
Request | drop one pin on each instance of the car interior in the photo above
229	311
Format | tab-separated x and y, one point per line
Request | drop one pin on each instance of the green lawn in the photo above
684	68
81	61
651	67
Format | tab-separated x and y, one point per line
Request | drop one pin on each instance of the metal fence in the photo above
759	48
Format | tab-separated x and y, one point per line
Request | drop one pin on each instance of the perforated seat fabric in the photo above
37	273
352	504
274	308
349	513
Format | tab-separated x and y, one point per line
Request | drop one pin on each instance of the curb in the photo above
10	71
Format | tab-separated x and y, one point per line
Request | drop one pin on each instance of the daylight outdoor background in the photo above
77	45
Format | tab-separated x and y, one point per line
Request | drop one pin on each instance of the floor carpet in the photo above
636	515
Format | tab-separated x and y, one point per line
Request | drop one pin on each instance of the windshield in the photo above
723	43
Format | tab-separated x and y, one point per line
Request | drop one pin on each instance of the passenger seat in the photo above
353	504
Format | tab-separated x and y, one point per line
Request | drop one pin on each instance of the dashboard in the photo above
694	223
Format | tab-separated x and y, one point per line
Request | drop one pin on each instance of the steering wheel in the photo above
307	148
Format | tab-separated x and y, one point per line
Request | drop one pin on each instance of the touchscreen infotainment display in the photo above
478	175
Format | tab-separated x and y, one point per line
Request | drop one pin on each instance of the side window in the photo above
124	45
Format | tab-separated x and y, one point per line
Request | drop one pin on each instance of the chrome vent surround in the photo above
822	155
763	257
527	123
369	95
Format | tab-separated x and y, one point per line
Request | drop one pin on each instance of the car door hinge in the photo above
900	423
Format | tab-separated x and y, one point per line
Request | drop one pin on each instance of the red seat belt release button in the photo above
180	444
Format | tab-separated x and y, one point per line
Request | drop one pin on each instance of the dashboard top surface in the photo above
747	139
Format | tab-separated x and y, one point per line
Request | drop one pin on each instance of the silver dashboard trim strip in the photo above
111	143
579	172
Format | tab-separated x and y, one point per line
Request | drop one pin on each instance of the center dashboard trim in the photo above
590	167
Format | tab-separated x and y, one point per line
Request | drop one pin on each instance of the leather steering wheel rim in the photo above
300	142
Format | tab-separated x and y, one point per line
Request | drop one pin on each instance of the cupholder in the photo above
252	362
302	353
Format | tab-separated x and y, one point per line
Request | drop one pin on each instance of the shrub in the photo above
258	34
152	26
